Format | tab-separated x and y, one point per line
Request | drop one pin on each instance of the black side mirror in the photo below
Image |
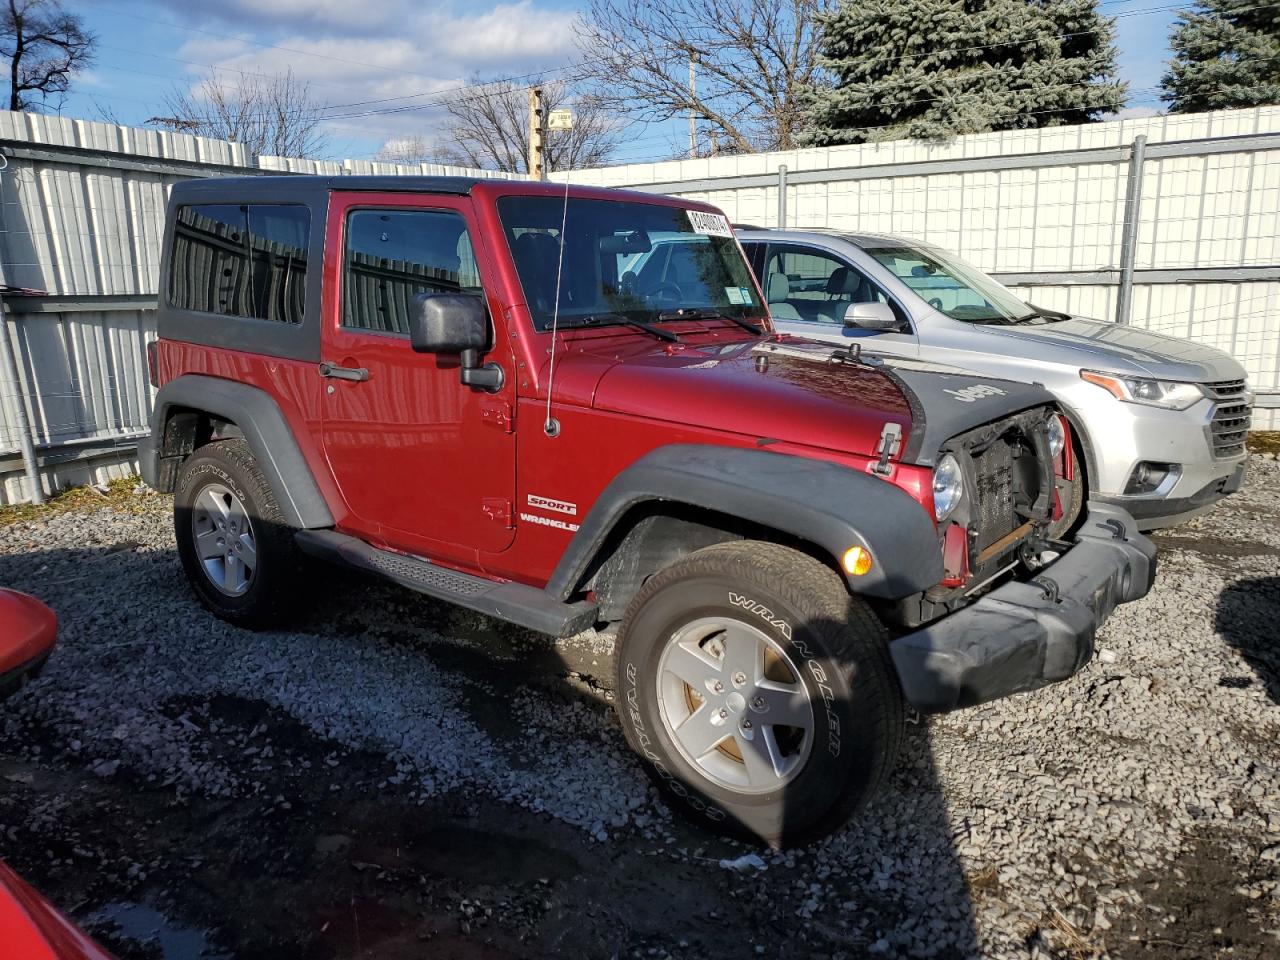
447	323
455	323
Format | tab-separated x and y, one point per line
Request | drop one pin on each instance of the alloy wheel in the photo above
224	539
735	705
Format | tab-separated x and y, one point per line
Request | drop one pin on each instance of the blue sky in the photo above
379	64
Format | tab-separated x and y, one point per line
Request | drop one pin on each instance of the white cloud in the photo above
416	56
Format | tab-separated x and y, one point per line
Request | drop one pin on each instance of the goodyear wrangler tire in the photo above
758	693
238	553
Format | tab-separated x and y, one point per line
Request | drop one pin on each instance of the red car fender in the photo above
31	928
27	632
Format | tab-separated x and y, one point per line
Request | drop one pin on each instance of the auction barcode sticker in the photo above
711	224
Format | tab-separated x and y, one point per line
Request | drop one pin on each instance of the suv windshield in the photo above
634	261
952	286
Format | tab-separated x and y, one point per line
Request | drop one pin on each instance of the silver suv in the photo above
1161	422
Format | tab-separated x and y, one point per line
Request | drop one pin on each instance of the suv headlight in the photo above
1057	436
948	487
1169	394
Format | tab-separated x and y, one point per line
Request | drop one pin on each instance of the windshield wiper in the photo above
596	319
1040	313
1055	315
697	313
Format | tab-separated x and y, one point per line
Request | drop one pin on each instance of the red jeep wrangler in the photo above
565	407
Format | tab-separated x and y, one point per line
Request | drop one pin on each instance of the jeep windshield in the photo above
956	288
626	262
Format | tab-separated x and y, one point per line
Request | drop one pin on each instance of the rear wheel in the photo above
758	692
236	549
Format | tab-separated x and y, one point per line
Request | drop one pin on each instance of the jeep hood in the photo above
813	394
1107	346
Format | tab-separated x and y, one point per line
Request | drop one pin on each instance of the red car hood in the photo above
735	388
31	928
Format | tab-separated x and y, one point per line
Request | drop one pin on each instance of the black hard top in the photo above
303	187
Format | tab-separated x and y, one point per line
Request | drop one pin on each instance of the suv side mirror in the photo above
447	323
455	323
871	316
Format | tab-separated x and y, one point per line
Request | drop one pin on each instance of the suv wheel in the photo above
758	692
237	551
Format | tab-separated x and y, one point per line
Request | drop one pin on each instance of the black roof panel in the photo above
290	186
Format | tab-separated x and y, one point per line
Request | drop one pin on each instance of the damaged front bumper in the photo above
1025	635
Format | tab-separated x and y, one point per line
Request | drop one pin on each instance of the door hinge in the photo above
497	413
499	510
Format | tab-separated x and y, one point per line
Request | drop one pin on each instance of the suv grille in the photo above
1007	477
1231	418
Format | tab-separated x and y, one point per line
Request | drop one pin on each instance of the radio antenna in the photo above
551	426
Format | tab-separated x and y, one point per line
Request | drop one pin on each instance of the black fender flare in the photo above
819	502
266	431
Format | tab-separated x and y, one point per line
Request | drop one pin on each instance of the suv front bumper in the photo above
1024	635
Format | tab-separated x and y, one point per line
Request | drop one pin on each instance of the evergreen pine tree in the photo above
1226	53
934	69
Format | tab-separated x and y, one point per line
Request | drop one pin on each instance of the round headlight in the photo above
948	487
1057	436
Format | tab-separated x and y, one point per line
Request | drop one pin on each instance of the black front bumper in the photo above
1024	635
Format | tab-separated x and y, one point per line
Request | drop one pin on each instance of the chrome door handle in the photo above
359	374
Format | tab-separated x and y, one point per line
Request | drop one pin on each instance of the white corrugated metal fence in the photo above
83	210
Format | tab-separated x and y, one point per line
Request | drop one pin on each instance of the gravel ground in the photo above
397	778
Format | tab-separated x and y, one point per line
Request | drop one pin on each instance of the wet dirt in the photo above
351	866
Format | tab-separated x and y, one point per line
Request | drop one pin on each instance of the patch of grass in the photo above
1264	441
117	494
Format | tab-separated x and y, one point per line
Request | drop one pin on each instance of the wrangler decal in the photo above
760	610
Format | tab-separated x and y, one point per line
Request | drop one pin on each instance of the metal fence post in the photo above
782	197
9	372
1129	237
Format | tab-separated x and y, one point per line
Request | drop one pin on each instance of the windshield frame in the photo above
1004	306
724	266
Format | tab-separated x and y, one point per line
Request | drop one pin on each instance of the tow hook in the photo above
1116	527
1048	586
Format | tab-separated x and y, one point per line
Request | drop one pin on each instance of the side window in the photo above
393	255
241	260
934	283
807	284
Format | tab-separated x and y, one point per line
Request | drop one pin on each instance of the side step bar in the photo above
514	602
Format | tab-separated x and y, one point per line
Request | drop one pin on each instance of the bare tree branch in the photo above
755	57
489	128
45	45
271	115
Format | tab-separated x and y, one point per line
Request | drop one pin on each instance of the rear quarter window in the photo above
241	260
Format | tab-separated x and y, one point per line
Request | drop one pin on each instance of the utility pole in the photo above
536	128
693	98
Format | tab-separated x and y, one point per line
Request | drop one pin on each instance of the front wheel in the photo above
758	692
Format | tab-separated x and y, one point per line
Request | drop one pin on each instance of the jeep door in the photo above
809	289
424	463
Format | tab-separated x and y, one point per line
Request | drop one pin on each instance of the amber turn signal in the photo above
857	561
